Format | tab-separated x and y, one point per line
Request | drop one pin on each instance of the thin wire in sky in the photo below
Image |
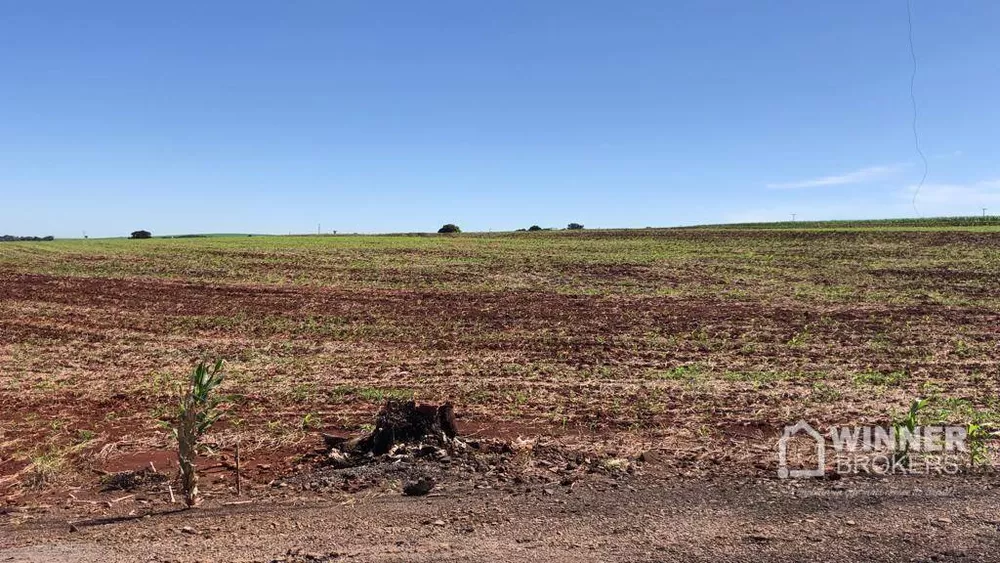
913	102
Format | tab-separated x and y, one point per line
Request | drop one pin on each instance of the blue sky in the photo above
400	116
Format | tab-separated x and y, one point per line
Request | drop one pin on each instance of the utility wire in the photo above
913	102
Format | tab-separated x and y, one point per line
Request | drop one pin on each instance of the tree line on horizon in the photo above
12	238
451	228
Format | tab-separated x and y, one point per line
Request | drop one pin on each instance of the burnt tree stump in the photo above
406	422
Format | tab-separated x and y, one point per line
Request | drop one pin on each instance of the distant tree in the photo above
141	234
574	226
12	238
534	228
449	228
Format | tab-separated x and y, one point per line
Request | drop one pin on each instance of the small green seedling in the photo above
908	423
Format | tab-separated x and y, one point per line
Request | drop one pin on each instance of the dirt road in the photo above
642	518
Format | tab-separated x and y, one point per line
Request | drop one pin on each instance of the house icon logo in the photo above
791	432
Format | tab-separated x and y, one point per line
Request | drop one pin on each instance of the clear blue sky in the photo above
400	116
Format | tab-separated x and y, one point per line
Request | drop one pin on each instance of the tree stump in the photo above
406	422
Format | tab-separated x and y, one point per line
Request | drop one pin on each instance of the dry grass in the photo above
44	470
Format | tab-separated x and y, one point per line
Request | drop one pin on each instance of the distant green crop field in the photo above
987	221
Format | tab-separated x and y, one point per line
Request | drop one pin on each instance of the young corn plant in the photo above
197	412
906	425
978	435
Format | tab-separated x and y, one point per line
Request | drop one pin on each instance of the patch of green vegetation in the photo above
963	349
880	379
825	393
761	377
370	394
944	409
83	436
681	373
312	421
800	338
